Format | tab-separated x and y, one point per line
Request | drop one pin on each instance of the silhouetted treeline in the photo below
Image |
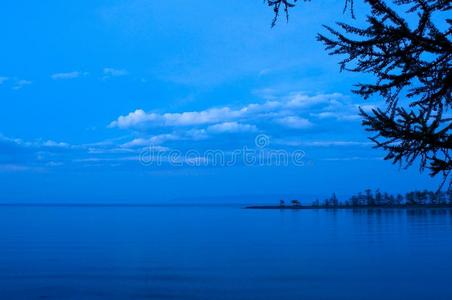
370	198
407	47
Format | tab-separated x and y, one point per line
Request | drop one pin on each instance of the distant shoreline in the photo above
298	207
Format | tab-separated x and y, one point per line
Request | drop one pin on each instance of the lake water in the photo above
223	252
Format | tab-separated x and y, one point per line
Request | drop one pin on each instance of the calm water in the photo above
223	252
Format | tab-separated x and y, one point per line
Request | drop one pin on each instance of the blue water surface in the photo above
223	252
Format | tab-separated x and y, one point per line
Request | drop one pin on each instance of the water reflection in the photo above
224	253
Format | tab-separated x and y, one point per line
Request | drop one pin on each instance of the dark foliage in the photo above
285	5
379	199
411	64
409	56
279	5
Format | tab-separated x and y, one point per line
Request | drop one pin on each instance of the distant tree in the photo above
419	197
378	197
388	199
441	198
410	198
296	203
361	199
370	201
430	197
334	201
409	55
398	199
316	203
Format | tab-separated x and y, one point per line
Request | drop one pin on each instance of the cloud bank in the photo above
67	75
298	110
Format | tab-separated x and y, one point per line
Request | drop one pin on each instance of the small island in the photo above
372	200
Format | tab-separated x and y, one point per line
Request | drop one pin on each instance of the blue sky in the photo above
87	86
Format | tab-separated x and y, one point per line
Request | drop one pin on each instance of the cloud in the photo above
158	139
35	154
13	168
367	107
106	159
353	158
140	119
301	100
150	142
19	84
133	120
67	75
51	143
231	127
264	72
153	140
196	134
291	111
294	122
112	72
9	143
322	143
43	155
138	142
3	79
195	118
338	115
10	149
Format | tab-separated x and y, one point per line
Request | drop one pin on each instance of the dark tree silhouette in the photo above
279	5
412	68
408	63
412	199
285	5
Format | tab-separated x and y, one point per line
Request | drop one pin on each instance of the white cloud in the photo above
51	143
294	122
153	140
297	111
292	111
148	142
353	158
67	75
227	127
112	72
139	142
338	115
19	84
13	168
133	119
140	119
197	134
321	143
264	72
196	118
368	107
336	143
301	100
54	164
106	159
37	144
